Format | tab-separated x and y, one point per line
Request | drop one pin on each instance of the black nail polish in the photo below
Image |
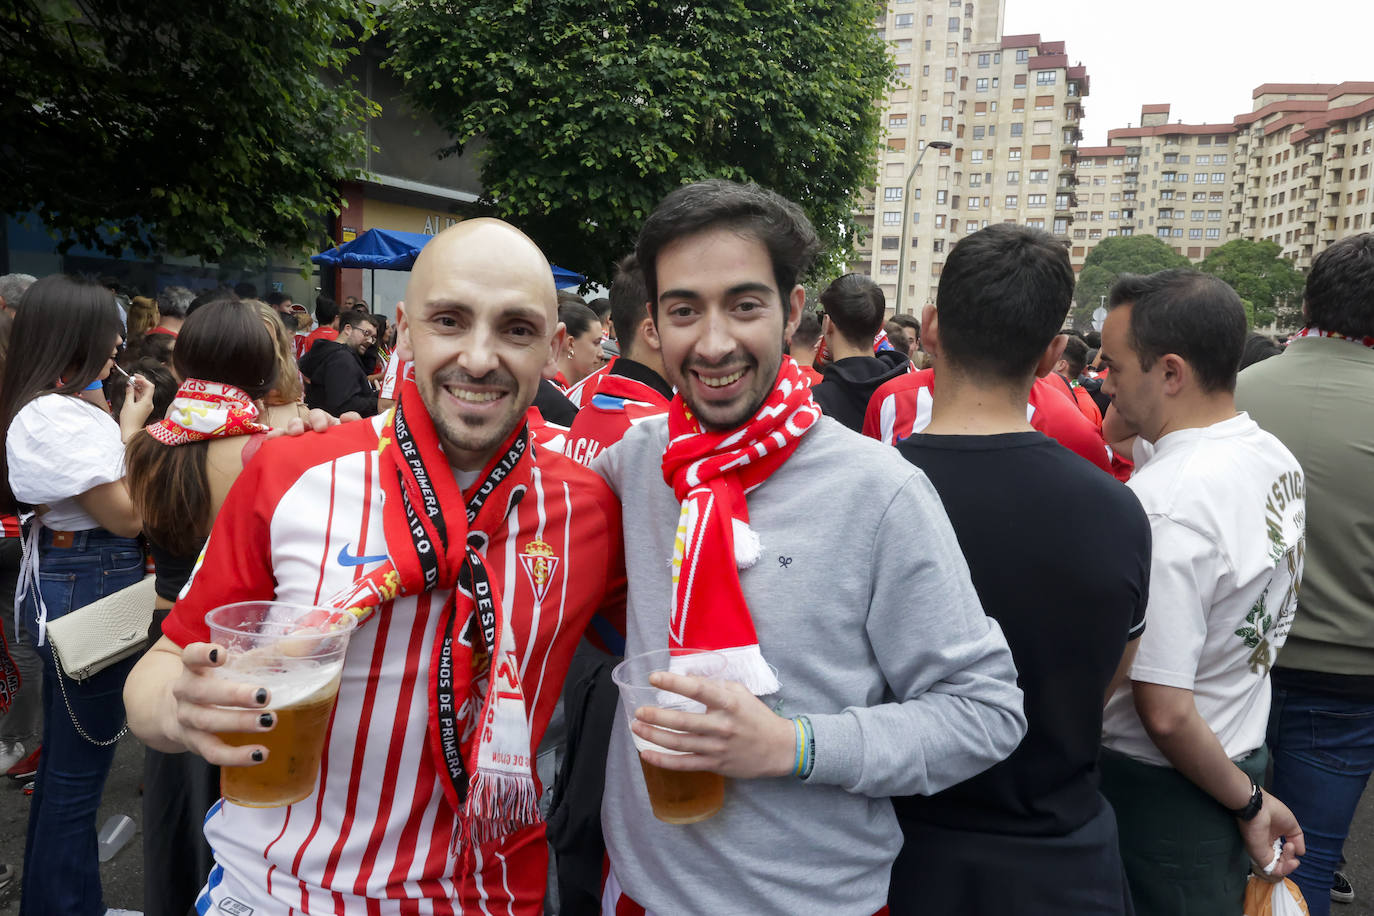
261	696
265	720
257	756
214	656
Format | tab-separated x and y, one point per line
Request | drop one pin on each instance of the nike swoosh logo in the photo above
348	559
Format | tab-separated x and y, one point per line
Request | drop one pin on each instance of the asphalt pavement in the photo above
123	875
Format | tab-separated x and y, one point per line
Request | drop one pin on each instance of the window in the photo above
1213	233
891	241
975	155
1010	202
1045	77
983	60
1014	153
1200	178
1018	81
904	70
1018	129
1041	128
902	46
1202	160
925	69
892	217
975	180
1044	102
939	221
897	120
979	132
1061	201
1099	181
1194	233
949	74
952	49
1113	215
947	124
927	44
981	84
1213	216
973	203
1035	200
923	120
1013	178
941	197
1218	177
1036	223
905	20
1039	176
1061	226
953	24
887	267
1022	55
1096	217
1018	105
892	193
930	21
1219	159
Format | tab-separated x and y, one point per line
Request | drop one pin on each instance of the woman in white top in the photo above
63	466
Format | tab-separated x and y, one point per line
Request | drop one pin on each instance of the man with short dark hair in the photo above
911	330
853	309
281	303
327	325
1184	741
887	694
337	380
1317	397
1036	821
1068	370
805	345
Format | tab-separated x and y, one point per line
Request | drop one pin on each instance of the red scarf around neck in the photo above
711	473
479	735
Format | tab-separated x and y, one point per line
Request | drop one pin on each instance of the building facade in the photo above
984	128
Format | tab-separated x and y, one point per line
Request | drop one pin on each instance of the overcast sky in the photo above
1203	57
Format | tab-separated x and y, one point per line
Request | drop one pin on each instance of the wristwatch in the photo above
1250	810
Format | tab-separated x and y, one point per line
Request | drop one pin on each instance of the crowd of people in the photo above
1087	625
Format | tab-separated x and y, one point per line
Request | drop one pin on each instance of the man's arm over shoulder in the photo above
958	709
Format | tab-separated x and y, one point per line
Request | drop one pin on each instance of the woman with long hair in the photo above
228	357
286	400
63	471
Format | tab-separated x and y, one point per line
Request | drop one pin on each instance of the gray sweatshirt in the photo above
863	602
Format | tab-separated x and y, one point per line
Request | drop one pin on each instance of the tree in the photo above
593	110
221	132
1132	254
1269	283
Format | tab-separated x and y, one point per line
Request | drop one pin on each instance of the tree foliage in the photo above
1269	283
220	131
1132	254
592	110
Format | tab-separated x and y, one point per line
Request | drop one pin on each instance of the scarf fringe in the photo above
499	804
748	547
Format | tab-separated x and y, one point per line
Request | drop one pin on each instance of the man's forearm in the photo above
1190	745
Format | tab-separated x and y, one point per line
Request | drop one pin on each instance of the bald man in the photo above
426	790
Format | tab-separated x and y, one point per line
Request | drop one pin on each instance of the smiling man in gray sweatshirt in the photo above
890	678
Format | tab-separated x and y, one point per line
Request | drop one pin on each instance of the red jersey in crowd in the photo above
629	394
582	392
903	406
303	344
377	835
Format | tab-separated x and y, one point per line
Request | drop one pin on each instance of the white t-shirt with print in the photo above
1227	518
59	447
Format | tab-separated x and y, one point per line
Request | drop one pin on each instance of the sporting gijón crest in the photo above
540	564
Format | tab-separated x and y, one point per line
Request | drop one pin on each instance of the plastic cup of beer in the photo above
297	653
676	797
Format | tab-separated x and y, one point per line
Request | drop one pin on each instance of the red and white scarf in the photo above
207	410
1317	332
479	733
711	473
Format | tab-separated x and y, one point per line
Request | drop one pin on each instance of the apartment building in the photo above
1294	170
983	129
1303	179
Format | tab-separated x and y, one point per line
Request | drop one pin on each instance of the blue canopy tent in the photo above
383	249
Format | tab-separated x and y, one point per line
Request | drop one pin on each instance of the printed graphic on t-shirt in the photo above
1269	620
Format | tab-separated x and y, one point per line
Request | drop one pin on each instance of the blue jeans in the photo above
61	869
1323	752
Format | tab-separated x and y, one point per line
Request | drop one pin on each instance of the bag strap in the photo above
71	713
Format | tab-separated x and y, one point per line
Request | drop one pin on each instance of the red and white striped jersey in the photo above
302	522
903	406
582	392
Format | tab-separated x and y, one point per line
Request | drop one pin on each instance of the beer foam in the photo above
288	686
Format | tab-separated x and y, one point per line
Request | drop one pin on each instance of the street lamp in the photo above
906	219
